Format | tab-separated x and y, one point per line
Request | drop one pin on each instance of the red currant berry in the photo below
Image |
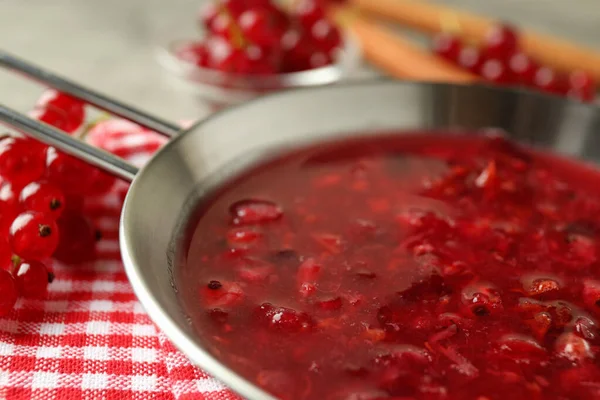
250	61
495	71
8	288
523	68
260	27
8	207
234	7
62	101
19	161
52	116
308	12
447	46
66	172
501	42
581	86
219	49
32	279
42	197
208	13
100	182
5	255
299	53
33	235
547	80
78	240
249	212
195	53
74	108
74	203
8	196
319	59
223	26
325	36
470	58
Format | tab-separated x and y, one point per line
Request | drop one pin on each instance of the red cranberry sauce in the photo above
409	267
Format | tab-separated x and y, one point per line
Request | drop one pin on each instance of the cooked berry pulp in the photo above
417	266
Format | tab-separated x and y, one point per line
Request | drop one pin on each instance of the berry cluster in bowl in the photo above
259	46
501	60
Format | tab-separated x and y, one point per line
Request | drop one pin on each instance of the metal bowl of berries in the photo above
375	240
249	51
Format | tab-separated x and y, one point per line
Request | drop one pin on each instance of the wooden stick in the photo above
432	18
396	56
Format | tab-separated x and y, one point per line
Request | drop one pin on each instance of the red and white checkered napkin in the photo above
91	339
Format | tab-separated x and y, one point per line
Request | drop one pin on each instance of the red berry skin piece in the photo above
591	295
20	162
32	279
78	239
247	212
33	236
68	173
447	46
284	319
501	42
42	197
221	294
8	288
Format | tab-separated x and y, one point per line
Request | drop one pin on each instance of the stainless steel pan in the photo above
185	170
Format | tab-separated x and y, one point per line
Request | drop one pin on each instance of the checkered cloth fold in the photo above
91	339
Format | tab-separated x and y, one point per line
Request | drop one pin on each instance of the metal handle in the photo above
77	148
55	137
89	96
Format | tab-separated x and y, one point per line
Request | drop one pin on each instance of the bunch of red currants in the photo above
42	192
256	37
500	60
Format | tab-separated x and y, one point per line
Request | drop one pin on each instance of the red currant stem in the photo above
82	134
15	262
237	37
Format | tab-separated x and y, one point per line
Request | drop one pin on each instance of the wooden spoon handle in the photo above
432	18
395	55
